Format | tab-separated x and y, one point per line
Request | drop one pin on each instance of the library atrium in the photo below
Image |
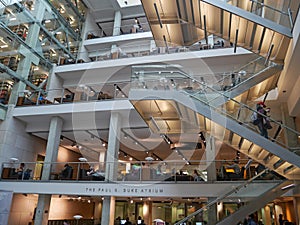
156	112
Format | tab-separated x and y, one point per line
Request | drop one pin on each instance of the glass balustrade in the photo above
163	77
107	31
281	12
138	171
130	51
75	94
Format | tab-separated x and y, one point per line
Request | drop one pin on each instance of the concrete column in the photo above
102	161
147	212
212	213
210	152
111	171
296	203
97	212
55	128
117	23
42	209
108	210
116	32
290	137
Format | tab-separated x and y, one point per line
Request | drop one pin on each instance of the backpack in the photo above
254	118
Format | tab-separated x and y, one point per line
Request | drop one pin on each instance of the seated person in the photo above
197	176
235	167
68	98
19	171
98	175
67	172
236	170
90	171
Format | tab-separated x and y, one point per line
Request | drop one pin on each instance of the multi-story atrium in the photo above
144	110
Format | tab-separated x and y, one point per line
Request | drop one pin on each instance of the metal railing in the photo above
280	13
128	171
216	99
125	29
133	50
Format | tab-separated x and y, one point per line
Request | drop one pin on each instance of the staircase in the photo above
180	22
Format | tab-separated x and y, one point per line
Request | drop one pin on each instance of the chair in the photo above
27	174
67	173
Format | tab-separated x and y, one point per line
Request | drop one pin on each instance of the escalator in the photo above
192	111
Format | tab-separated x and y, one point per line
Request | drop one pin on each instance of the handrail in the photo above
137	169
244	106
92	34
203	91
285	14
235	189
205	86
143	50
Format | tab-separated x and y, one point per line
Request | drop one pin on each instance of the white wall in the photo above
16	142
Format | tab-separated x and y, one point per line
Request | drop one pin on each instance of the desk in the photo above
45	102
104	96
180	178
59	100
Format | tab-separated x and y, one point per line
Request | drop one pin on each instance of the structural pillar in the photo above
55	128
108	210
210	152
117	23
115	51
291	138
111	166
112	155
296	202
147	212
42	210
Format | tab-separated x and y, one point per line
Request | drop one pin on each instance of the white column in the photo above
42	210
52	145
108	210
211	175
210	152
117	23
291	138
296	201
113	147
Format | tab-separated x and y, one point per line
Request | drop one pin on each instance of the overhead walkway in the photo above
179	22
185	111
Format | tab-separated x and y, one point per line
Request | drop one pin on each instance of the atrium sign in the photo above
136	190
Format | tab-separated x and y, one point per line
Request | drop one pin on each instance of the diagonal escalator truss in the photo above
257	203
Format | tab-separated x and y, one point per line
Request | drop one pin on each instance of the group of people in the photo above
250	220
